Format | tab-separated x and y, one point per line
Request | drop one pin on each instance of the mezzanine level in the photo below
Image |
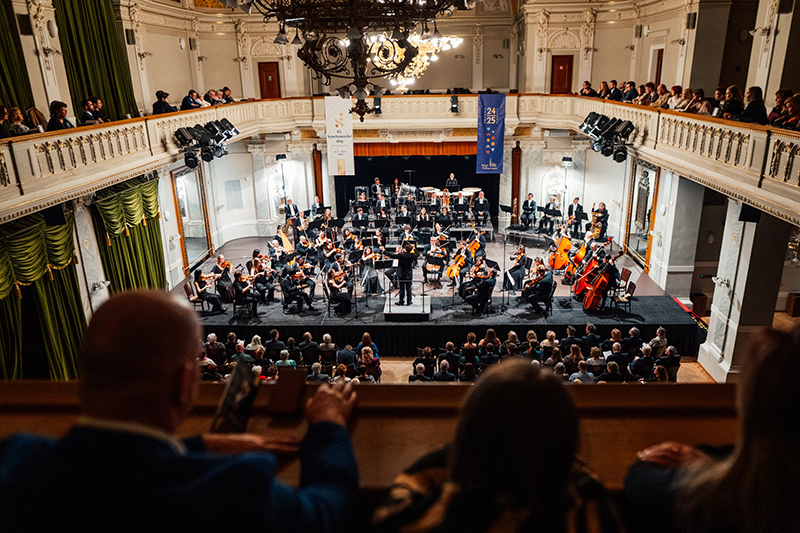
751	163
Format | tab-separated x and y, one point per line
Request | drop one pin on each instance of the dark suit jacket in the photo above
274	346
615	94
423	378
100	480
443	376
591	340
346	357
189	103
161	107
451	358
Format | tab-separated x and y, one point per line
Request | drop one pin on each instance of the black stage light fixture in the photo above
608	149
190	159
184	137
454	103
594	129
280	157
376	105
220	150
215	131
207	153
590	119
596	145
620	153
624	130
608	130
230	128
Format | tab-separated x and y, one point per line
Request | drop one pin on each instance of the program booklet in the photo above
233	411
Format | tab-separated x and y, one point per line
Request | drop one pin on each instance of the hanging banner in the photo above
491	126
339	133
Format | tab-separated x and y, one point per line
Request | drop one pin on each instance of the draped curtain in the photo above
127	220
415	148
33	254
94	55
15	87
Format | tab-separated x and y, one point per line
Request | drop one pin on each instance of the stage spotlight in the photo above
596	145
607	132
589	121
454	103
607	149
184	137
220	150
230	128
190	159
215	131
594	129
207	153
376	105
624	130
620	153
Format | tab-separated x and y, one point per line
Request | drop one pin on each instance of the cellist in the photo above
479	249
609	270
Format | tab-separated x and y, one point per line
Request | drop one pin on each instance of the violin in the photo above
533	281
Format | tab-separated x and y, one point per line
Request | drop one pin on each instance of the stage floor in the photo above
451	320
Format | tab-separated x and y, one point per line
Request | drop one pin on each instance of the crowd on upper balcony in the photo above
727	102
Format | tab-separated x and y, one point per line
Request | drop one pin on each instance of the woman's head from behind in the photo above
538	449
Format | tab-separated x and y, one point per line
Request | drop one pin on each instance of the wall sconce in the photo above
142	55
99	285
498	56
760	31
50	51
679	41
629	47
542	50
201	58
239	59
459	57
590	49
721	282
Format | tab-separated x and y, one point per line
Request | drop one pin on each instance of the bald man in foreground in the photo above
122	467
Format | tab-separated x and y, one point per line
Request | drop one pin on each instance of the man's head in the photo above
211	338
420	369
326	338
616	347
444	366
571	331
273	334
316	368
163	389
239	347
449	346
671	351
646	350
530	196
613	84
613	367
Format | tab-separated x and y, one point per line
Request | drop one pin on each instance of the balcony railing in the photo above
755	164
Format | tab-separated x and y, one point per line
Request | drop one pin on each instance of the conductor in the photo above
405	272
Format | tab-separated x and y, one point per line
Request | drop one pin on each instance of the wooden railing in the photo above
395	424
755	164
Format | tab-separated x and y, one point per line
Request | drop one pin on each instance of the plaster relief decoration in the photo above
36	12
554	185
489	6
587	31
243	43
478	43
542	23
135	13
564	40
265	47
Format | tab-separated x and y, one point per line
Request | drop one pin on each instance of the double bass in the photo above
559	259
454	270
574	262
594	295
589	270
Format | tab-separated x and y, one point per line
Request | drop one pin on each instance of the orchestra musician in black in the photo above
370	280
602	219
423	233
348	241
305	249
243	294
516	274
406	257
202	288
292	215
337	289
382	204
460	216
451	183
528	216
303	276
410	204
469	261
477	236
481	209
222	278
375	189
316	208
361	201
575	213
293	293
262	281
360	215
433	265
343	265
444	217
548	216
537	289
477	290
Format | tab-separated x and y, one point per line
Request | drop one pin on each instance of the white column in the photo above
748	279
477	53
540	55
530	171
513	50
196	58
137	57
587	43
48	50
93	291
761	56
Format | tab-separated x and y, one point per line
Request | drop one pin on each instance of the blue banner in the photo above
491	126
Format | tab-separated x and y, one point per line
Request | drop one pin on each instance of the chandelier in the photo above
336	37
428	51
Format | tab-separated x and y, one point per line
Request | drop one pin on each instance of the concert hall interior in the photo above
618	218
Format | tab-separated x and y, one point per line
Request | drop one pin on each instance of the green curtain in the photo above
32	253
94	55
127	220
15	86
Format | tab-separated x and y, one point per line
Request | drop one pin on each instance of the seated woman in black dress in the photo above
203	292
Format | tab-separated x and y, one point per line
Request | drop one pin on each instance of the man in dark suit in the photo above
292	214
122	465
591	339
642	367
569	340
630	92
618	357
190	101
419	375
347	356
481	209
450	356
316	208
317	375
383	203
274	345
162	104
632	343
405	273
375	189
309	349
539	292
614	93
528	216
444	374
548	216
575	212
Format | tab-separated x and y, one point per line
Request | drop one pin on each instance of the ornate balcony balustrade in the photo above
755	164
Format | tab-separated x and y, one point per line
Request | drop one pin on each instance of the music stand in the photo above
461	211
402	221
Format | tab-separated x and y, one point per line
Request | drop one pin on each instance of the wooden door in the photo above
659	58
561	75
269	80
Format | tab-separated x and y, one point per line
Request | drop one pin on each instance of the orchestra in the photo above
325	246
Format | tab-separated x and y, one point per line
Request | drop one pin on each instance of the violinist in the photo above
433	265
242	292
302	274
515	277
528	216
293	293
484	282
575	213
480	210
382	204
262	281
222	277
379	241
337	289
201	287
329	255
407	237
343	266
538	288
370	281
471	277
348	241
549	216
304	248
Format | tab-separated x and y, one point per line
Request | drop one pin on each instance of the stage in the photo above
450	319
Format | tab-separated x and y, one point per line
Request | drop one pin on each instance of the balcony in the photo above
751	163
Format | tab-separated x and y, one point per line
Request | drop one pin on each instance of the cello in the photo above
594	295
454	270
560	257
589	270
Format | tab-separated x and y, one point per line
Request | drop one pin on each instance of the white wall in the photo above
612	59
606	181
219	69
169	68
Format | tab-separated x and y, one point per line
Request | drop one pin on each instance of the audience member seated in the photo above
733	104
511	346
549	340
362	378
274	345
780	104
122	466
612	374
87	115
309	350
347	356
616	336
642	367
489	356
469	373
419	374
596	363
630	93
58	117
571	361
504	471
749	487
240	356
755	110
659	375
190	101
619	357
339	375
294	351
490	338
366	340
588	91
670	358
450	356
272	373
444	373
659	343
255	342
16	118
373	364
560	372
591	339
632	343
570	339
230	343
317	375
554	359
427	360
699	105
604	91
285	361
162	105
582	375
790	120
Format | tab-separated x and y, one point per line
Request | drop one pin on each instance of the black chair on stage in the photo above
327	296
251	311
548	308
624	301
195	300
